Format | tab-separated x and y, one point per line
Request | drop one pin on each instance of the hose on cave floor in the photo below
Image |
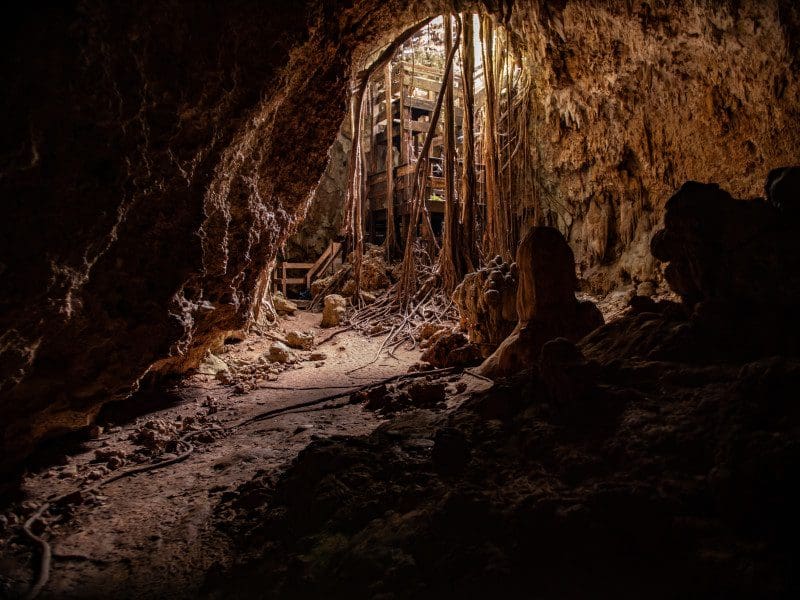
46	553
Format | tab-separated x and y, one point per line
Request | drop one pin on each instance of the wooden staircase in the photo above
281	272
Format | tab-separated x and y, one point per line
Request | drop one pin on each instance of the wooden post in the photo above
390	241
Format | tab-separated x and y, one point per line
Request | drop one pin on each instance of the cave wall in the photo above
155	156
324	216
634	98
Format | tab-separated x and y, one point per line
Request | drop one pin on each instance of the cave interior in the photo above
400	299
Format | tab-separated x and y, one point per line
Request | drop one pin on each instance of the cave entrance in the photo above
441	125
437	132
401	102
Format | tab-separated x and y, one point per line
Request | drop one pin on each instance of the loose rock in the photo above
212	364
279	353
300	340
283	306
334	310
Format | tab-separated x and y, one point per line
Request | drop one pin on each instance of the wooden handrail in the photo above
323	261
311	269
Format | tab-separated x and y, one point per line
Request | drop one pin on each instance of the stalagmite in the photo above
546	303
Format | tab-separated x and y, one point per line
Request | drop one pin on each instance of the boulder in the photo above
333	311
427	330
283	306
427	393
452	350
546	303
212	365
279	353
717	247
301	340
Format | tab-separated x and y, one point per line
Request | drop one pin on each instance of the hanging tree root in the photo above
429	304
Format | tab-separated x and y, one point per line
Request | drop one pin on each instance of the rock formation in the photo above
324	216
145	198
736	266
486	302
546	303
452	350
633	99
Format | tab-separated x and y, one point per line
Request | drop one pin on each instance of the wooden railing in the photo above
281	274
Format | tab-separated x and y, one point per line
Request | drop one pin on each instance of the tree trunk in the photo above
450	263
468	178
390	241
492	233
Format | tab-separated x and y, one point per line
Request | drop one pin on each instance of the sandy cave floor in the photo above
153	531
136	536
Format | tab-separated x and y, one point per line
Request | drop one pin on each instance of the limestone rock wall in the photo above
324	216
634	98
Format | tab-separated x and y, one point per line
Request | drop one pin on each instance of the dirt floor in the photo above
149	535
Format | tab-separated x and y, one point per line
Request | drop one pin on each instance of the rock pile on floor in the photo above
452	349
247	373
424	393
212	365
486	303
546	303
